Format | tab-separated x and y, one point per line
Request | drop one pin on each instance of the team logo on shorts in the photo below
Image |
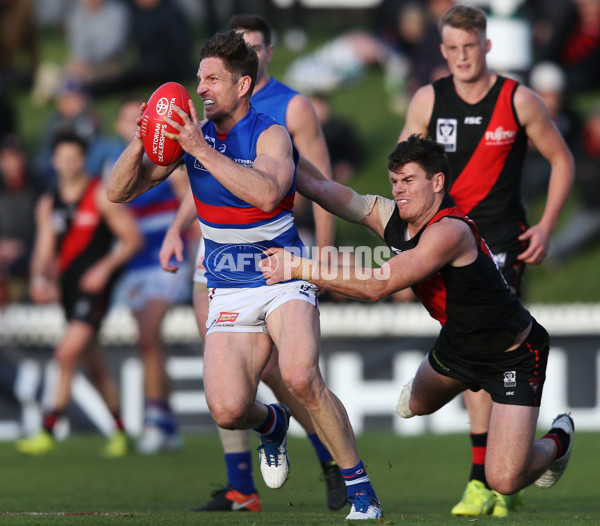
227	317
535	383
510	378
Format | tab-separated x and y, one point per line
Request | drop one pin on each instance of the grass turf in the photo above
418	480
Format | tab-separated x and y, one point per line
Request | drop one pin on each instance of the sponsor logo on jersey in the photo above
227	317
86	218
446	133
473	120
500	136
245	162
510	379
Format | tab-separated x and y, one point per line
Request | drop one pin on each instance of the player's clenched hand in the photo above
189	135
280	265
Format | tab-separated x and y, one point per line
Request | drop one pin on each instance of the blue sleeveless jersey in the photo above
273	99
154	211
235	232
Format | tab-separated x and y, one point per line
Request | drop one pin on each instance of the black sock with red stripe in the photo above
478	448
50	420
118	421
561	439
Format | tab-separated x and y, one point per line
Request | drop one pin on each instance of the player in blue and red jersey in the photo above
294	111
242	170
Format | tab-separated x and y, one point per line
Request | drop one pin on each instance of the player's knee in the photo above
67	356
301	382
503	481
227	416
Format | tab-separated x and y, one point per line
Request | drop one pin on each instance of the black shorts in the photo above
514	378
82	306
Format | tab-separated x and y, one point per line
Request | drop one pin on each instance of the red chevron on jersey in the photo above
83	227
482	171
231	215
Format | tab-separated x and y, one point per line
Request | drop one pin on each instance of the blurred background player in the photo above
484	121
294	111
20	189
149	291
82	242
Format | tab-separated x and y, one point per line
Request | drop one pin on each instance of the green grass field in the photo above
418	480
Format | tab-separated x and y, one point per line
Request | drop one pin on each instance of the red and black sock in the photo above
50	420
478	448
561	439
118	421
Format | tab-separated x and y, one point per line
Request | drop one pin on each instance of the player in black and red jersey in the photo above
82	242
484	120
488	340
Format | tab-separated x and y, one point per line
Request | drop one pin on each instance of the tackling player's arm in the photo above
418	113
539	127
338	199
449	241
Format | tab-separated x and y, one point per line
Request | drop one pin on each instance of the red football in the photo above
160	149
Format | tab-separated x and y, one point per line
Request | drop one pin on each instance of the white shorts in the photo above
138	286
247	309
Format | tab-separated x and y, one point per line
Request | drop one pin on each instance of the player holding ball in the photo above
242	166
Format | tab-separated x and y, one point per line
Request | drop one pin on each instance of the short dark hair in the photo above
239	58
251	22
464	17
68	136
429	155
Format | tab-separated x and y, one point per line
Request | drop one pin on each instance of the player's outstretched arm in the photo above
447	242
336	198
